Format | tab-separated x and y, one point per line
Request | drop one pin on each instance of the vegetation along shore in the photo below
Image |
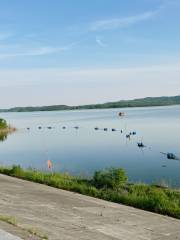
111	185
5	129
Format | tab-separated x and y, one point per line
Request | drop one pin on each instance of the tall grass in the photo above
110	185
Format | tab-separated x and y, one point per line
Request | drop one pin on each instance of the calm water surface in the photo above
85	150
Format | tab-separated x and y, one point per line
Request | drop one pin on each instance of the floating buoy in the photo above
132	133
140	145
28	128
171	156
39	127
121	114
63	127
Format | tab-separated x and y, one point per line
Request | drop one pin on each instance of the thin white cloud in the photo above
86	85
22	52
49	75
100	42
122	22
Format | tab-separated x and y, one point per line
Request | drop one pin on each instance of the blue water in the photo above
85	150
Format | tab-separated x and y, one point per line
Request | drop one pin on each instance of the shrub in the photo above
17	171
110	178
3	123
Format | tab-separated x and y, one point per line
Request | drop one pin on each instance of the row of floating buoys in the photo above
171	156
106	129
96	128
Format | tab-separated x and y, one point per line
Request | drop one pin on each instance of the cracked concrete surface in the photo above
69	216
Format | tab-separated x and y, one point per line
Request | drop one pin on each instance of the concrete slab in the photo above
7	236
69	216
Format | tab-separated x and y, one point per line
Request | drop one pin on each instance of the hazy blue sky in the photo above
87	51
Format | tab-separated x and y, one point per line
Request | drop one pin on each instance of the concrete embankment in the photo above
64	215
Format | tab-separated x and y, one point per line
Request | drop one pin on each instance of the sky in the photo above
80	52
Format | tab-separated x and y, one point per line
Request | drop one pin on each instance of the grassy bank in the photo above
111	185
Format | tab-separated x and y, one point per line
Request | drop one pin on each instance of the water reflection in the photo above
3	136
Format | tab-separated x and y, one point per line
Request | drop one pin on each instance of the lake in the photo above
85	150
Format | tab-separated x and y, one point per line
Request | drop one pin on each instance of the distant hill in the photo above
142	102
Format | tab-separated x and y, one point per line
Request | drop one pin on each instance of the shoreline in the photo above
8	130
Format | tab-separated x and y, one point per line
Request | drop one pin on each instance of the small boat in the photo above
96	128
105	129
76	127
63	127
49	127
113	129
28	128
39	127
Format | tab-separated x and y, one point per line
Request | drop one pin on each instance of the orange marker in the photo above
49	164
